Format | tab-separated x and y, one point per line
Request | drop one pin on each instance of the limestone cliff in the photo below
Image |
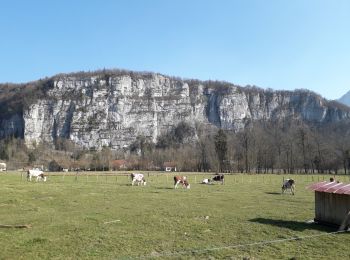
112	109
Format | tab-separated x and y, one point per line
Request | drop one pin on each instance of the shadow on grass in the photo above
164	188
293	225
274	193
129	185
125	184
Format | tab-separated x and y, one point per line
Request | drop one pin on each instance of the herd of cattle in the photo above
139	179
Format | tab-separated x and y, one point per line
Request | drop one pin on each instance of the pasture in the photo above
103	217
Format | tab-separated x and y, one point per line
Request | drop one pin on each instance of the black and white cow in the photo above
39	174
289	184
182	180
219	177
206	181
138	178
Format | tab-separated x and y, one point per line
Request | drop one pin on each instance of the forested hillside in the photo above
89	120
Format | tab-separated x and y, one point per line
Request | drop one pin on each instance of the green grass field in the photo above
103	217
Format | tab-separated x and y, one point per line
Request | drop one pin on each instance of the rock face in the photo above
96	110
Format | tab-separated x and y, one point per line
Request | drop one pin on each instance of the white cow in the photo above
2	167
39	174
138	178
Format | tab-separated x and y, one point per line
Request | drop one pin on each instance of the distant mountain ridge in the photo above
345	99
113	107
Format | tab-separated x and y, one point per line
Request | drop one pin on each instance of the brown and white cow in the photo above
219	177
182	180
289	184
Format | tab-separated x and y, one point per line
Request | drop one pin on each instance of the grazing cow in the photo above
138	178
182	180
288	184
333	180
39	174
219	177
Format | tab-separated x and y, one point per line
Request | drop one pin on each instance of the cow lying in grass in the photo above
138	178
182	180
289	184
39	174
206	181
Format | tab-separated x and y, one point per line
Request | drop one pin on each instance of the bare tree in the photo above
221	149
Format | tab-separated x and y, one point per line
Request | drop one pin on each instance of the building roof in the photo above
119	162
331	187
169	164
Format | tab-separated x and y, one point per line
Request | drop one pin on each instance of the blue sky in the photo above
278	44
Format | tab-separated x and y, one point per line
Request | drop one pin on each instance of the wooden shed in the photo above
332	202
169	166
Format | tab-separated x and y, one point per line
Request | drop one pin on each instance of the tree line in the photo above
286	146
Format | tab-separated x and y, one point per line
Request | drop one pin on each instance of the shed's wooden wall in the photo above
331	208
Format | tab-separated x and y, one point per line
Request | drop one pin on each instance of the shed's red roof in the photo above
331	187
